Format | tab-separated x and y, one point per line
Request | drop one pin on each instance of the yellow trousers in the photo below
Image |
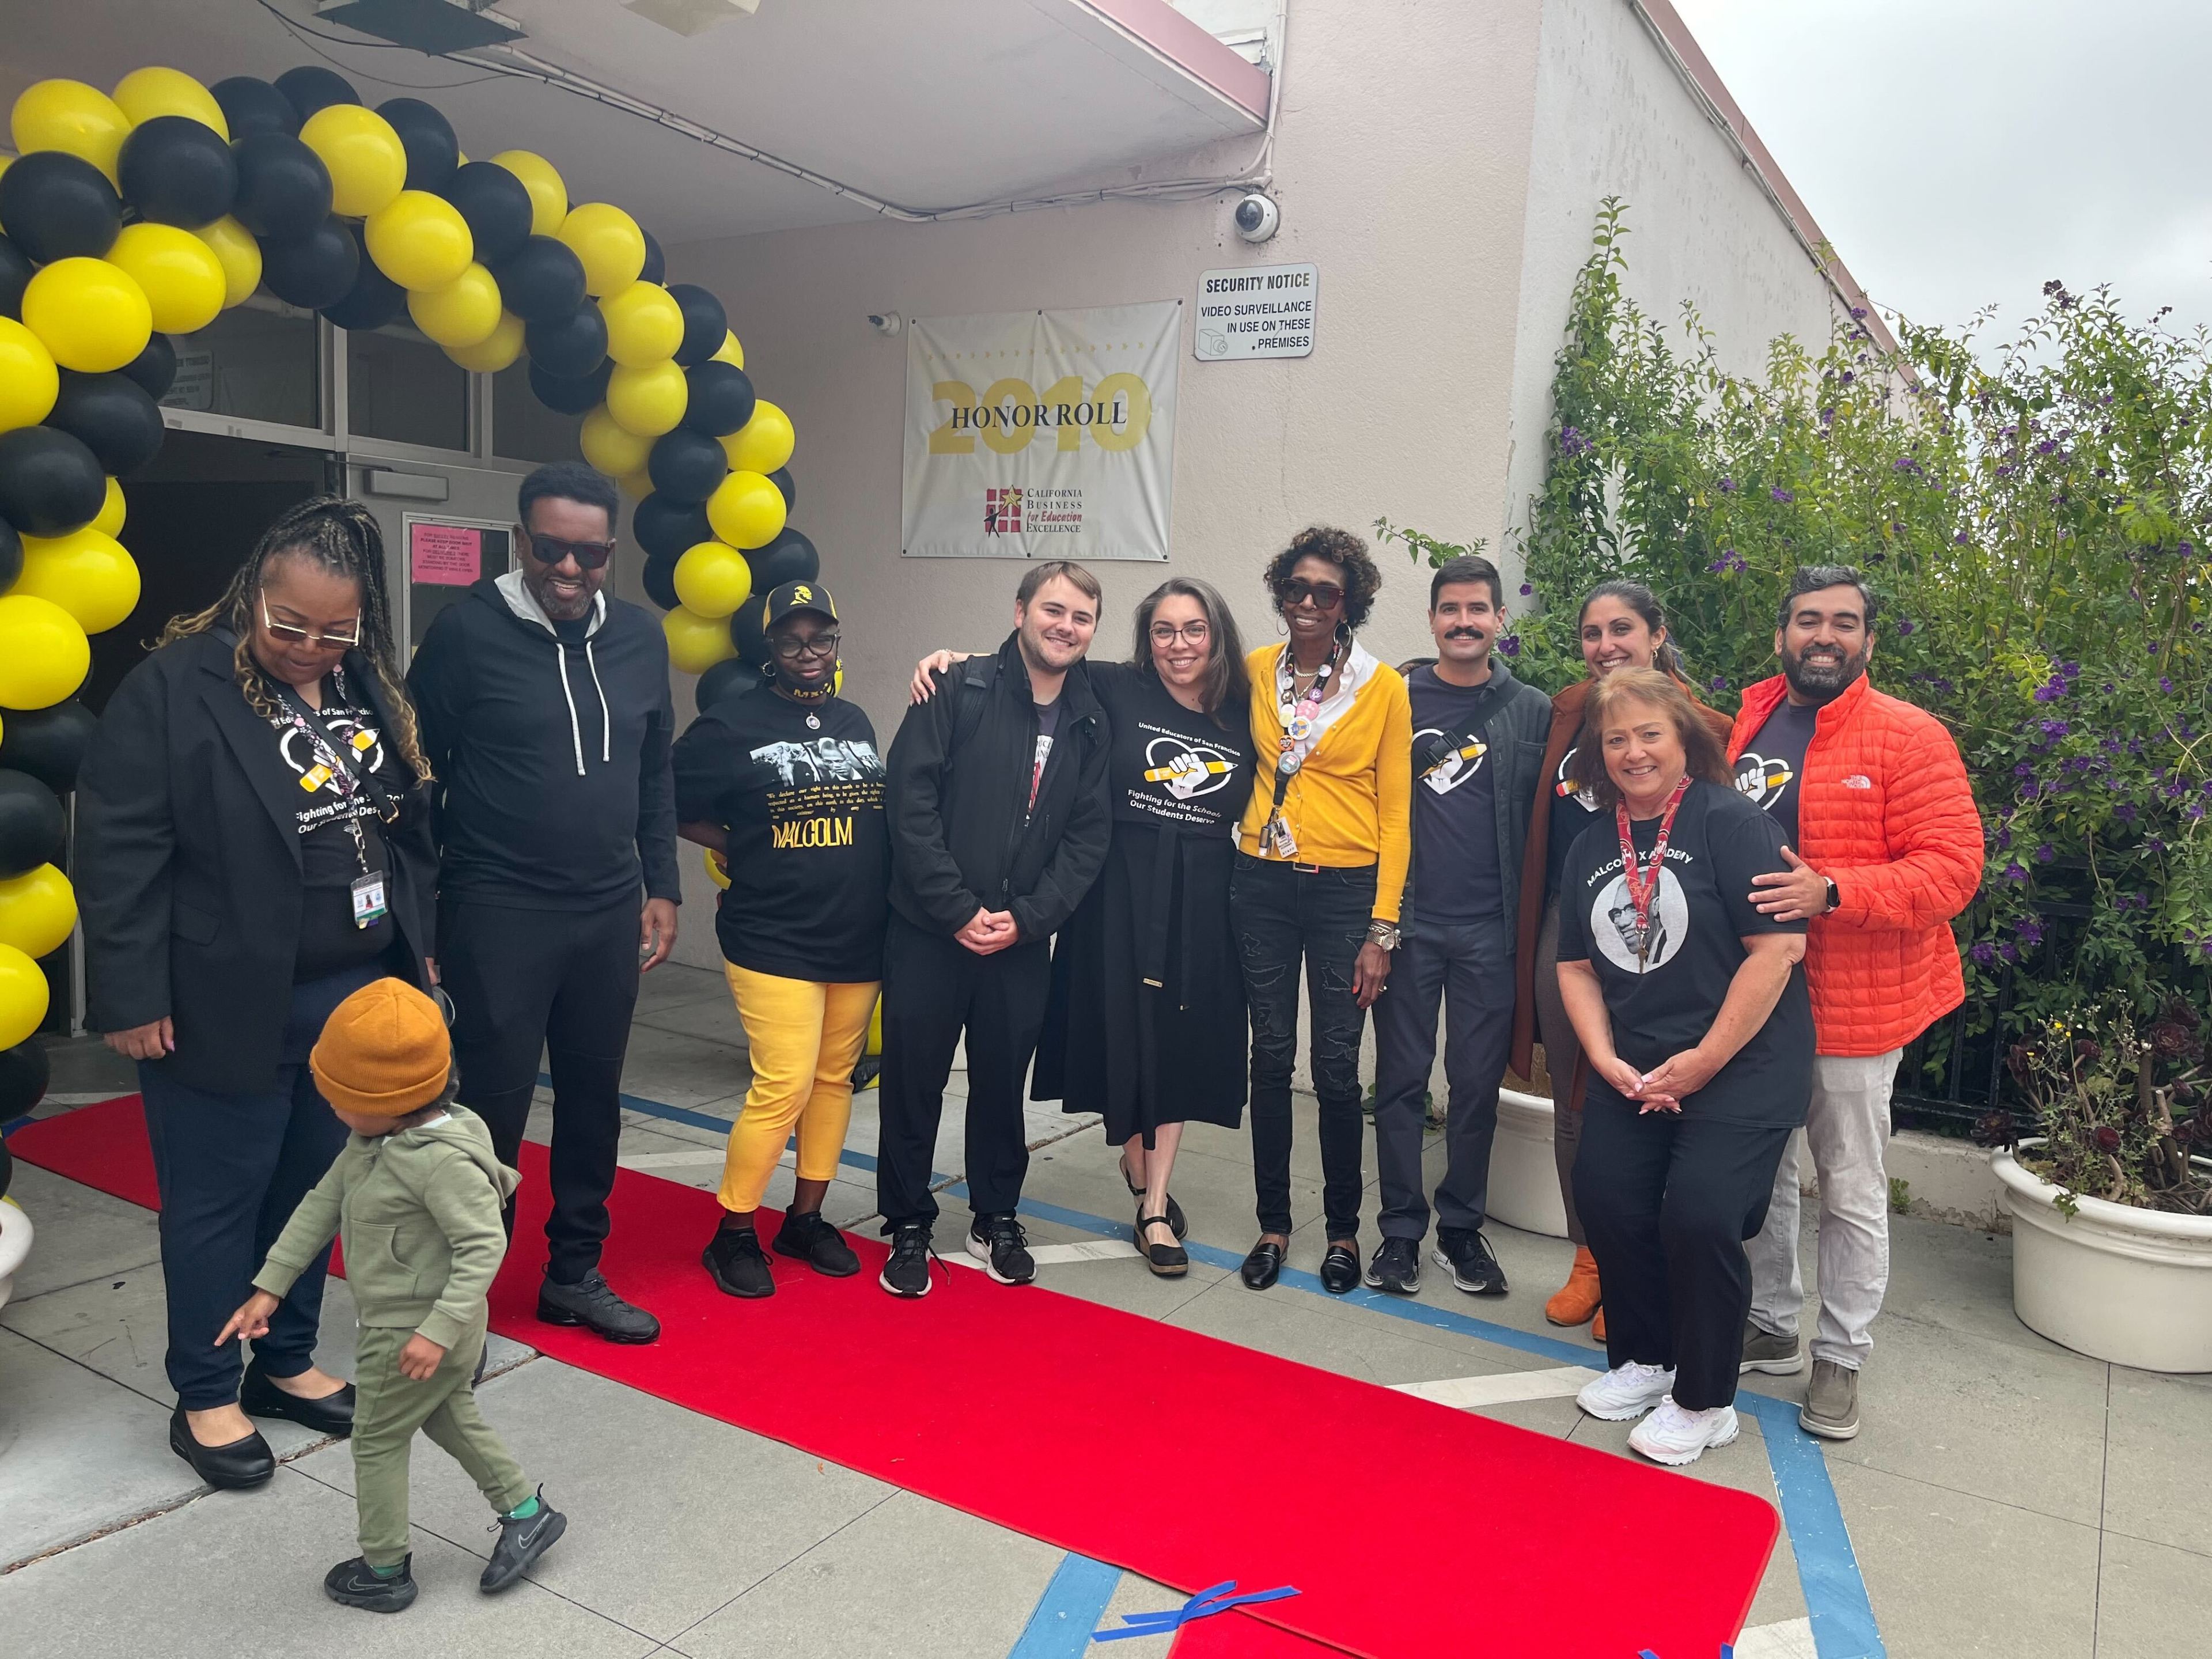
805	1038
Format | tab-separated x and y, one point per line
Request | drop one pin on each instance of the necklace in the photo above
1298	711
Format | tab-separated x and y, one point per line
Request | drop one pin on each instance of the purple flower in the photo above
2046	447
1572	443
2166	685
1509	644
2023	770
2056	728
2005	471
2030	931
2049	693
2014	872
1718	683
1858	313
2009	952
2195	810
2125	812
1782	494
1905	626
2044	852
1905	463
1959	540
1526	590
2154	844
1729	562
2071	670
1728	486
1849	377
1984	952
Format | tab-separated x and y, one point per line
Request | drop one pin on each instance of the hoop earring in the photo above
1282	625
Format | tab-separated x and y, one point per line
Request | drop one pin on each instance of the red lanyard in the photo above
1640	891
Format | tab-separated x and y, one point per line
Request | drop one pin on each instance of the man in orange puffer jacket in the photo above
1886	849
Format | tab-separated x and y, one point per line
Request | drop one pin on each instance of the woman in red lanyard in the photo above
1693	1017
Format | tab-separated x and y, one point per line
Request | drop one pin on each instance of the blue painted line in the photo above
14	1124
1061	1623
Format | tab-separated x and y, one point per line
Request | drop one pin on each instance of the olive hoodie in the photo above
418	1210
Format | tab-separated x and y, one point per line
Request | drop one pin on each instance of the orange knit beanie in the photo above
384	1051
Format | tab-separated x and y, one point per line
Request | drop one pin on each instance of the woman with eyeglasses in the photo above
253	846
783	784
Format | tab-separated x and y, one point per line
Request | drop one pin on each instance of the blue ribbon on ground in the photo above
1218	1598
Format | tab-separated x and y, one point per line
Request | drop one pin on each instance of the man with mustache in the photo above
1885	848
1478	753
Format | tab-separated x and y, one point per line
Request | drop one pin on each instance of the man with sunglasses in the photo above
546	716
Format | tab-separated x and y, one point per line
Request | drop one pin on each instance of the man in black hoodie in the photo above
546	716
999	807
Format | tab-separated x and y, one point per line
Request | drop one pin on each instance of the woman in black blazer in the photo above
253	845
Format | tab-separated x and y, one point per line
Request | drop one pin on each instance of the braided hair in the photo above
340	536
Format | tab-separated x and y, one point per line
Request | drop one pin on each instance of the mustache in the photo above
1465	633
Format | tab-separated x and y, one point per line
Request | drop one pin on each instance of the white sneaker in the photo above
1674	1437
1629	1391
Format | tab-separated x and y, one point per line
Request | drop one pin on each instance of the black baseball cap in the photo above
794	597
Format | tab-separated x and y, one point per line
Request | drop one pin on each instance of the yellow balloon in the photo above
609	446
609	243
87	573
241	254
23	996
718	869
746	511
108	521
68	115
763	443
38	908
367	162
182	279
635	485
548	196
146	93
713	578
464	312
90	314
644	324
29	382
494	352
695	643
648	401
419	241
42	651
731	353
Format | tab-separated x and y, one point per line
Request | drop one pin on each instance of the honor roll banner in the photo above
1041	434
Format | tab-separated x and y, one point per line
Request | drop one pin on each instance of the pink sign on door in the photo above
444	555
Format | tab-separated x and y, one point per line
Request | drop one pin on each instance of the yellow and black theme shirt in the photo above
330	808
1768	769
799	789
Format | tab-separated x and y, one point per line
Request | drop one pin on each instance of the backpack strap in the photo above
978	675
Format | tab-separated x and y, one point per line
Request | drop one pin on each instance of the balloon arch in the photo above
126	218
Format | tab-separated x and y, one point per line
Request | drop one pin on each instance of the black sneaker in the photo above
734	1262
1473	1269
590	1303
906	1273
816	1243
999	1243
1396	1267
520	1544
354	1584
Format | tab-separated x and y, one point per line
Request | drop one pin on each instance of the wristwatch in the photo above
1835	899
1384	933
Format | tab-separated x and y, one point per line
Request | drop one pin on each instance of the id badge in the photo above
368	906
1278	834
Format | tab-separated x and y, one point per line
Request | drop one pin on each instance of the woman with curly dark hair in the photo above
1321	862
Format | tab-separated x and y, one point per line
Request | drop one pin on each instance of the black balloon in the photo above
789	558
664	528
686	465
432	152
745	626
311	87
250	107
113	417
572	345
283	188
50	483
497	208
57	206
373	300
47	744
11	566
726	678
719	398
541	283
705	323
15	269
781	479
314	271
155	367
656	262
177	171
658	576
24	1074
566	394
31	826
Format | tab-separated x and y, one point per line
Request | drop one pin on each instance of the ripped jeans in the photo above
1281	913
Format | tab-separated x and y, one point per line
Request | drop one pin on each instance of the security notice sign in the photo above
1041	434
1255	311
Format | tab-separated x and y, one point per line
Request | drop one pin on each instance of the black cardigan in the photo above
188	872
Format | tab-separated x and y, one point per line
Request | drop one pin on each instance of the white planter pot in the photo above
2131	1286
14	1245
1524	1182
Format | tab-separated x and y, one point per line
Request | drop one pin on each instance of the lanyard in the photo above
1641	892
1299	719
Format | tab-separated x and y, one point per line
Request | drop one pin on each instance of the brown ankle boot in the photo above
1573	1303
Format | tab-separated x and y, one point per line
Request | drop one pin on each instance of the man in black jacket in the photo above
999	813
546	716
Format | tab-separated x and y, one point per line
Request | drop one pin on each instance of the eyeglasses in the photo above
330	639
1294	591
1196	632
791	648
551	550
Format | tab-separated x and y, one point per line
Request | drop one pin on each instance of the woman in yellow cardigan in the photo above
1321	861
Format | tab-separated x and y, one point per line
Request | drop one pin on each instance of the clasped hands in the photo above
1667	1085
988	932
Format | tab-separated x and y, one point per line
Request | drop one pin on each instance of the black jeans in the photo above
1668	1201
1281	913
1469	967
562	981
934	988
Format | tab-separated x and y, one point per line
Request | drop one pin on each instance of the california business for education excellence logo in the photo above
1019	509
1002	511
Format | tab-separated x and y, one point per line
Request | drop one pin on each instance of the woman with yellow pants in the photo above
783	781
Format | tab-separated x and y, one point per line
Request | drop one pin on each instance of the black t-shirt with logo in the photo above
1769	769
1454	807
1664	984
1573	810
328	809
1170	764
799	789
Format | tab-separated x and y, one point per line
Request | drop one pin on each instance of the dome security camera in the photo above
1257	217
885	322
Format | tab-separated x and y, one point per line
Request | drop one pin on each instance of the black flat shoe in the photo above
259	1396
1340	1270
242	1463
1262	1267
354	1584
1168	1261
1176	1223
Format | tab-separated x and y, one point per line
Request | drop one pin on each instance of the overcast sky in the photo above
1962	152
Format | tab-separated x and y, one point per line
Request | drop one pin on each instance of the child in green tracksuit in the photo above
416	1196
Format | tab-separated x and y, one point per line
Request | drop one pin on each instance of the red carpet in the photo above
1022	1406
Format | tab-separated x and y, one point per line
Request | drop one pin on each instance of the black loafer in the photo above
259	1396
242	1463
1262	1267
1340	1270
354	1584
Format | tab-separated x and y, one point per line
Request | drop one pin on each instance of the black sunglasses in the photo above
1294	590
551	550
